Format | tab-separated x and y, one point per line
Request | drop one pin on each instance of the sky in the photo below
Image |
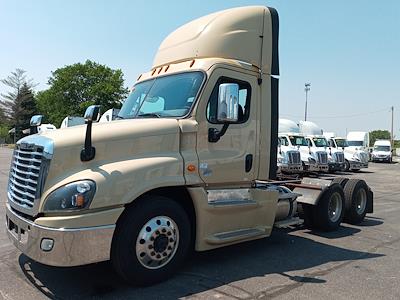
348	50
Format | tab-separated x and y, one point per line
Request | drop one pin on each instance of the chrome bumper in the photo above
318	168
72	247
358	165
291	168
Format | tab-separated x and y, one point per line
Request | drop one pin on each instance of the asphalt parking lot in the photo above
355	262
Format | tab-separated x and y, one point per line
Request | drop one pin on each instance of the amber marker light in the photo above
191	168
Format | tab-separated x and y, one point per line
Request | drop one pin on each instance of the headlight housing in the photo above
312	160
72	196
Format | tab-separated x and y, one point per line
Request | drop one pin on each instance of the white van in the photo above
382	151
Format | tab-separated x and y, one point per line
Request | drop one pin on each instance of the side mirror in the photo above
228	103
92	113
36	120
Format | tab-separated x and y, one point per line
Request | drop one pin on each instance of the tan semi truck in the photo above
189	164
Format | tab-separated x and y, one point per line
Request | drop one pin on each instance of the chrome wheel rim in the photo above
361	201
335	207
157	242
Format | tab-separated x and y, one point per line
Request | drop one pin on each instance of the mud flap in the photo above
370	202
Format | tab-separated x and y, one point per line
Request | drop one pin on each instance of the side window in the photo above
244	100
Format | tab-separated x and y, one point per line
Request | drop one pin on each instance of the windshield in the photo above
382	148
341	143
298	140
320	142
167	96
355	143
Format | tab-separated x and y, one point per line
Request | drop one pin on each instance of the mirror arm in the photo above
88	152
214	134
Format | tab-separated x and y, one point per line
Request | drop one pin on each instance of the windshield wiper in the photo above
149	115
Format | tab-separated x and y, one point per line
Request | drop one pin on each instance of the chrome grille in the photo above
322	157
28	171
339	157
294	157
364	157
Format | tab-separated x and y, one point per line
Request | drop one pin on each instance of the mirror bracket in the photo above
92	113
214	134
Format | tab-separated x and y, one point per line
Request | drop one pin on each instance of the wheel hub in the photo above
157	242
335	207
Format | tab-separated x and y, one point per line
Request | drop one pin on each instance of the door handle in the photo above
249	162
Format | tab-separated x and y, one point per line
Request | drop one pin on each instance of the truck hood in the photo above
114	141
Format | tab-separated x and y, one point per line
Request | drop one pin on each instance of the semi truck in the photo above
354	159
290	137
189	164
358	140
316	139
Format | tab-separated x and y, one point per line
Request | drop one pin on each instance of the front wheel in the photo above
346	165
151	241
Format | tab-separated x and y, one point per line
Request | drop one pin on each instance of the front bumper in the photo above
335	166
72	247
381	158
318	168
289	168
358	165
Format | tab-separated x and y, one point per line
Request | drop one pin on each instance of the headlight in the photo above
311	160
73	196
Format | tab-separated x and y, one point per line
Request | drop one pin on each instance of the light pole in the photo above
306	89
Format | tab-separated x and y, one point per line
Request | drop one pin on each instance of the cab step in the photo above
236	235
289	223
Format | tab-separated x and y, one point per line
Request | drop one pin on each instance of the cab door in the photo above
233	158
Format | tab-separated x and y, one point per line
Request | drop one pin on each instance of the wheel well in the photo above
178	194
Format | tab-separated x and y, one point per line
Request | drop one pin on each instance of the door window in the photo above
244	100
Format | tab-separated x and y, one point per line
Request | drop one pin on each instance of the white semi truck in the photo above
358	140
190	164
316	139
313	160
354	159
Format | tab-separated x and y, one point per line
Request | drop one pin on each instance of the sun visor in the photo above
247	34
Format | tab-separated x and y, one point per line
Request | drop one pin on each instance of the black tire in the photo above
124	255
340	180
322	217
346	165
356	208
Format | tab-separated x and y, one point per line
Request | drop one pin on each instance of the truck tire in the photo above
340	180
151	241
329	211
356	197
346	165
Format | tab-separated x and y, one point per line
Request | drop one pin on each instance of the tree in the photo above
378	135
73	88
18	105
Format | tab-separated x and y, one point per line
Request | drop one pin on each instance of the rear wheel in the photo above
151	241
356	196
341	181
329	212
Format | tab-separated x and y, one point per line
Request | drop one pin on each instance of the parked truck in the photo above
290	137
189	164
316	140
358	140
354	159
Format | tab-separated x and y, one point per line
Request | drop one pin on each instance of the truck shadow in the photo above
264	259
